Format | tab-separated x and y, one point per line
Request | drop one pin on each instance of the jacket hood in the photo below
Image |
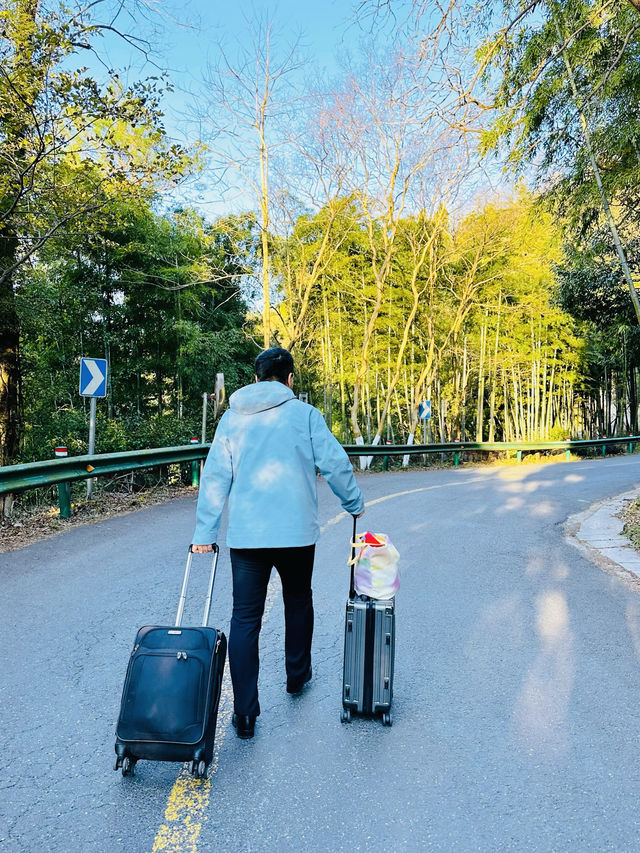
259	397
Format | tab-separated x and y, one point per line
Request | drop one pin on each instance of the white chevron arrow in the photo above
97	376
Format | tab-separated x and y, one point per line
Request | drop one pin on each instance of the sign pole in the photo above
93	384
205	400
92	441
424	440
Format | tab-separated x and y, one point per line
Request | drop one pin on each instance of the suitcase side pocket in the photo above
164	698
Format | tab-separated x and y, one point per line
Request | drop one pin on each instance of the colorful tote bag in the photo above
376	565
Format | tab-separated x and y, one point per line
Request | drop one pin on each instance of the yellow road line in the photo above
380	500
189	797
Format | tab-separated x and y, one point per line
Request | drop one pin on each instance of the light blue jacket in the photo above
264	458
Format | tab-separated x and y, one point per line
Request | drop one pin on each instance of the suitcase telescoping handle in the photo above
185	584
352	587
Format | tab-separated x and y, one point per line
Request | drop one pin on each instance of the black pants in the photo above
251	570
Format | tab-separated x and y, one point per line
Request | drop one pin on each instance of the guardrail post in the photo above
456	458
604	449
195	466
385	461
630	447
64	489
519	455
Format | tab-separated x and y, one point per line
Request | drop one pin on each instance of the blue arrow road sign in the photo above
93	377
424	410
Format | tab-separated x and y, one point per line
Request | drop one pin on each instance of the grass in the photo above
631	517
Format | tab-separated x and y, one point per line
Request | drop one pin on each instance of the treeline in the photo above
474	317
362	251
160	298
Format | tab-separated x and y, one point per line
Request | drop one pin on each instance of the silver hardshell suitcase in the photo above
369	651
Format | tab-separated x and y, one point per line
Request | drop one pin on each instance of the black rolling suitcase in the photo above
369	651
172	690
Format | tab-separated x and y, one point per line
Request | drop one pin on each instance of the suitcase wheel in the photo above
387	719
198	769
128	766
345	715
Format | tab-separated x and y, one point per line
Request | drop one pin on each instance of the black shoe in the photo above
244	726
297	685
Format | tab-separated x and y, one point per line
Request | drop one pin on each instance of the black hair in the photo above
274	363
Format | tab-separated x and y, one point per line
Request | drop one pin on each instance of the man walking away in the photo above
264	456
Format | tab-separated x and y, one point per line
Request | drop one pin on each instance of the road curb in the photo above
597	533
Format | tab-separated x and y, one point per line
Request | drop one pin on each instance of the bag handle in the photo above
352	561
358	543
185	584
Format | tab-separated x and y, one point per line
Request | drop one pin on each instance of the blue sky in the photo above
185	37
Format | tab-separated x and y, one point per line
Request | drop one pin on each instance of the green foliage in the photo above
72	149
70	144
159	297
494	271
567	96
539	117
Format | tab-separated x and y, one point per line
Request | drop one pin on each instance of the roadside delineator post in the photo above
567	452
64	489
456	455
195	465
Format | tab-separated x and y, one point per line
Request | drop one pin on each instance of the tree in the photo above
159	297
250	103
398	154
569	87
68	146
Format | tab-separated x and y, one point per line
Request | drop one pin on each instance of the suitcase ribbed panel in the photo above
383	656
354	655
369	649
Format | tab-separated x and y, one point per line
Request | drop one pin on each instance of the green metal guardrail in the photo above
19	478
456	447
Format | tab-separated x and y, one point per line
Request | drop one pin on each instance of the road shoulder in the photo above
597	533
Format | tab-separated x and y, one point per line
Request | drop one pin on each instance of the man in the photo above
264	458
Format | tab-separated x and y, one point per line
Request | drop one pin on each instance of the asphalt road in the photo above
517	692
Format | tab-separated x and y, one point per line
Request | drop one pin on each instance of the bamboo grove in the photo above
468	320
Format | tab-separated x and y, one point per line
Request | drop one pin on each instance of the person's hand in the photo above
201	549
360	514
